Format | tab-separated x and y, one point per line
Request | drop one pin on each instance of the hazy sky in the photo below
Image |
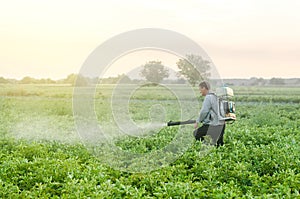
244	38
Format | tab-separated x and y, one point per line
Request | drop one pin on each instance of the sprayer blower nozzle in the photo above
171	123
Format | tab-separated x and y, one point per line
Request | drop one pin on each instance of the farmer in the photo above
211	125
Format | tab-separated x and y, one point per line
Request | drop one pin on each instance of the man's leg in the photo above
220	141
201	132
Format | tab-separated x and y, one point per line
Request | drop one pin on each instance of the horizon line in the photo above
225	78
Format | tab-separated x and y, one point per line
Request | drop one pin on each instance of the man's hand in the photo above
196	125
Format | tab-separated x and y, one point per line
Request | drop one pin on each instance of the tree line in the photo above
192	69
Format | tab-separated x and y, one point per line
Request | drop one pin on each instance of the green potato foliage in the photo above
41	155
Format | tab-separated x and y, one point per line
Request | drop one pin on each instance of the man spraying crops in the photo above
211	125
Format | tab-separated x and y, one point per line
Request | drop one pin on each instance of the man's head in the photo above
204	88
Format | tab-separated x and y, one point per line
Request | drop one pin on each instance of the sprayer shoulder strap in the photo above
218	103
212	101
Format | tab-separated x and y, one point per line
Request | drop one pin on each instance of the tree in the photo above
254	81
45	81
194	68
261	81
71	79
76	80
123	79
277	81
3	80
154	72
28	80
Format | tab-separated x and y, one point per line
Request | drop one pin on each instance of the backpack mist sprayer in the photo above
226	109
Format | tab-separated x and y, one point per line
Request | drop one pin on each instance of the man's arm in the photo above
205	109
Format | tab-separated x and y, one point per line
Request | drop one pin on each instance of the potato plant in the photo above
41	155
